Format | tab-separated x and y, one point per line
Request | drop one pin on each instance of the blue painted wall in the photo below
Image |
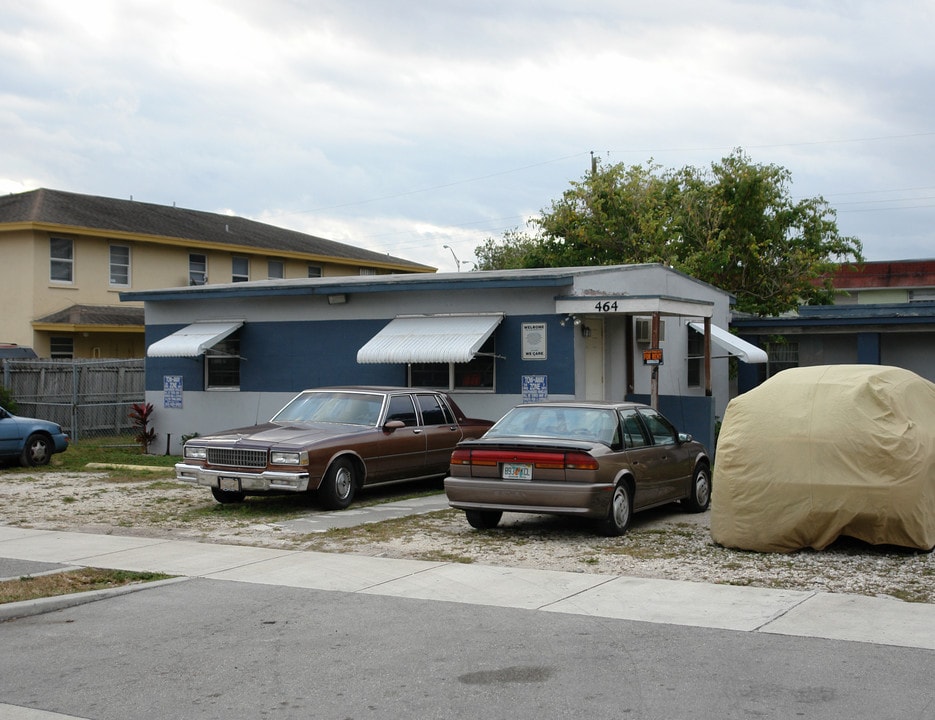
868	348
292	356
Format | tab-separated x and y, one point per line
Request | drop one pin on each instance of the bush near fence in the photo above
88	398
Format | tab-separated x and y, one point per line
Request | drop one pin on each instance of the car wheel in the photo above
620	512
36	451
337	489
483	519
226	497
700	496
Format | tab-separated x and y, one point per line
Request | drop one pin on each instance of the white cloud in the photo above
412	125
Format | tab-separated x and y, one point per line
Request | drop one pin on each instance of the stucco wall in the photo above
292	342
18	277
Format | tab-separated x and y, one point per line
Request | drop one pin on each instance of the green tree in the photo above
734	225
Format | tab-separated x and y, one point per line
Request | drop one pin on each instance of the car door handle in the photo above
416	431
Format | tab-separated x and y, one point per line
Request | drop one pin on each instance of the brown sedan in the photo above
591	459
333	441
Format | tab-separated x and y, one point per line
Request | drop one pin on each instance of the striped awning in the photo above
430	338
193	340
746	352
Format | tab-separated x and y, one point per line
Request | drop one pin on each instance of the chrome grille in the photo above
232	457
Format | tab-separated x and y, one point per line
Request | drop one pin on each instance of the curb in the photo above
40	606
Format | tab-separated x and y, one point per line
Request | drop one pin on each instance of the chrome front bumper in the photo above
266	481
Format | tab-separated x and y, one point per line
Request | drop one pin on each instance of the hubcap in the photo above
702	488
342	482
38	452
621	508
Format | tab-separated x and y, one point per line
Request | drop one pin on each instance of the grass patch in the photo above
163	485
253	509
113	450
32	587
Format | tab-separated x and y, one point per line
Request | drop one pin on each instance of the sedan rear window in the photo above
590	424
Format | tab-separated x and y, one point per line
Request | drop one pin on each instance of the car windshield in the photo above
592	424
332	407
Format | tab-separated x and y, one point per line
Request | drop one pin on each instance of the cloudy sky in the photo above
406	126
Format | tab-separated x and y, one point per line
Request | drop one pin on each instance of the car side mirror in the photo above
685	437
392	425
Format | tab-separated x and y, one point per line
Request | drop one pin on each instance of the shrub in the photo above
141	415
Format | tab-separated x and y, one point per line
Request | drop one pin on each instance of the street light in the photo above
457	262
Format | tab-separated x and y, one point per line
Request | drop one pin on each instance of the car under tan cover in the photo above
816	453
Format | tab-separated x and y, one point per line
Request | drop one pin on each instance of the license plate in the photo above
517	471
229	484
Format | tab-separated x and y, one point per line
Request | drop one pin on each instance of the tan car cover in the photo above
819	452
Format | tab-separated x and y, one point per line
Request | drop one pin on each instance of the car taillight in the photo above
540	460
461	457
580	461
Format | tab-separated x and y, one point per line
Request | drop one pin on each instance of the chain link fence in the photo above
88	398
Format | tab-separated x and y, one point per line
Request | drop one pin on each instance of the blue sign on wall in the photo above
172	391
535	388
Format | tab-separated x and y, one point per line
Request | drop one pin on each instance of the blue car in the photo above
30	440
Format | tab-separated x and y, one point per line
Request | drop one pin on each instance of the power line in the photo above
804	143
582	154
442	186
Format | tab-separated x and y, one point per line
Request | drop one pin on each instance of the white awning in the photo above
429	338
193	340
747	352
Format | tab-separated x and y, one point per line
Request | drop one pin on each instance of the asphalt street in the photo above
254	633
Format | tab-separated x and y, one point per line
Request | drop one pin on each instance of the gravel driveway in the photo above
662	543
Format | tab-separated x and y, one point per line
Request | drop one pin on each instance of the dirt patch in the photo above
664	543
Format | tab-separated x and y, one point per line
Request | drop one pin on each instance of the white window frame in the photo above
227	351
272	266
781	356
455	371
695	362
197	269
123	267
62	347
65	264
240	276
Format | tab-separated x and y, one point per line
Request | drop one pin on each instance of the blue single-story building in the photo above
231	355
897	334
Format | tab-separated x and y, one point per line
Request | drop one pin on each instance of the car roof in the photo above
588	404
372	389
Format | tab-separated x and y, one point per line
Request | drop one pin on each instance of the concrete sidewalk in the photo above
747	609
323	520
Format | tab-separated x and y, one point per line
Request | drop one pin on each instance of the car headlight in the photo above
196	453
279	457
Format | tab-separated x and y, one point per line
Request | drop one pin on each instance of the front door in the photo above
593	330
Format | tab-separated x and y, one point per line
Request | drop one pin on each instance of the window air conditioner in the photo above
644	330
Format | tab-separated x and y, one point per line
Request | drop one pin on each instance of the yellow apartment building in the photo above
66	257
